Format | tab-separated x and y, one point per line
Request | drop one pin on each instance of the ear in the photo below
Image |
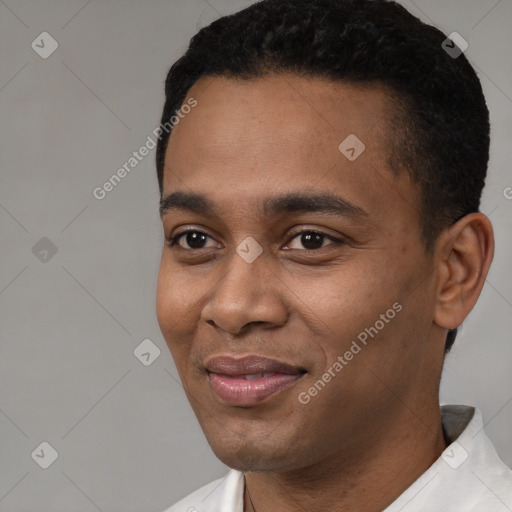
464	255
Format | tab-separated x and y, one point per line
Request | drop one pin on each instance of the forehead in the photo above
280	110
251	138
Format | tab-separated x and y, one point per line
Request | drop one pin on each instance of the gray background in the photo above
126	437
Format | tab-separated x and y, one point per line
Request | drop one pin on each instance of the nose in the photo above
249	293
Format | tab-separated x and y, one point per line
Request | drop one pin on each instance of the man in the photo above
320	166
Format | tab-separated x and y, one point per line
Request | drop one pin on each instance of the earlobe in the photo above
464	254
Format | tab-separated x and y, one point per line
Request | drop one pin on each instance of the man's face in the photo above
306	298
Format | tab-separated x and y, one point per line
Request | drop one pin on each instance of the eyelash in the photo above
173	240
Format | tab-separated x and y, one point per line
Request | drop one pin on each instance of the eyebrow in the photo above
272	206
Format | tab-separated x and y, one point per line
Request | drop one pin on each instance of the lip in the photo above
226	375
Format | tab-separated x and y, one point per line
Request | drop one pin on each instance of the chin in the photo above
248	459
254	455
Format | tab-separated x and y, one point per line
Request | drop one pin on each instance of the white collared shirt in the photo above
469	476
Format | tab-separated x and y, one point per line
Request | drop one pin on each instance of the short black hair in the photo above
440	121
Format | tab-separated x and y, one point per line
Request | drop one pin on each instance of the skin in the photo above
375	427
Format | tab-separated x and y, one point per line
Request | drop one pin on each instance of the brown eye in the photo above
312	240
190	240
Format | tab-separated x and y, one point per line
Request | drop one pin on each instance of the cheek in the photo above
175	317
174	302
345	306
344	298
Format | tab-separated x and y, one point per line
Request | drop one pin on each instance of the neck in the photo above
369	478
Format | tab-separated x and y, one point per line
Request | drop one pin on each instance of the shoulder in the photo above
469	476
